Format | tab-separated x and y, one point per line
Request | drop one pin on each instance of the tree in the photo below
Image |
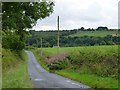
102	28
19	16
12	42
82	28
23	15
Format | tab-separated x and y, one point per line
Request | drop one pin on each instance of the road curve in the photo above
43	79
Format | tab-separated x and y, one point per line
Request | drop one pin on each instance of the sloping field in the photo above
94	33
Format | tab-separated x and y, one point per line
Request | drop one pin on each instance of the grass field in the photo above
96	66
94	33
14	70
46	34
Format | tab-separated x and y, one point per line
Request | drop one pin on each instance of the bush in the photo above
101	61
12	42
59	64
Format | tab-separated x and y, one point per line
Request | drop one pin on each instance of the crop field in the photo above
100	63
94	33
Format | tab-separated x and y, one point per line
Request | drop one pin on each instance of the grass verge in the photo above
15	76
91	80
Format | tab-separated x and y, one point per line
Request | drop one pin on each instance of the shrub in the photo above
99	60
12	42
59	64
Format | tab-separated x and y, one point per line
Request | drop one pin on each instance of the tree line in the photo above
50	39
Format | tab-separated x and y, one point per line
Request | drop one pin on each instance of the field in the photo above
44	34
96	66
94	33
14	70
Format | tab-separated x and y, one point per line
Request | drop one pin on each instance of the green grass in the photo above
45	34
109	49
16	77
90	79
94	33
9	59
15	74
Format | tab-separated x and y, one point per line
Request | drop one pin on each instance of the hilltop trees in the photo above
19	16
102	28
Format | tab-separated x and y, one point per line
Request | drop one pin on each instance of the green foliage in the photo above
98	60
12	42
59	64
102	61
10	59
85	64
21	15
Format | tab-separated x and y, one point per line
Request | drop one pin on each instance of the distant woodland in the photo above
75	37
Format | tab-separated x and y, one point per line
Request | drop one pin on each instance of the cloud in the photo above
78	13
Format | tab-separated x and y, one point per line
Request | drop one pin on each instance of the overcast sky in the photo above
81	13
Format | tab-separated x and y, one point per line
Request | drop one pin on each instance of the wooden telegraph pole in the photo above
37	43
58	36
41	47
28	44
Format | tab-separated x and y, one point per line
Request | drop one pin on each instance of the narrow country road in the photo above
43	79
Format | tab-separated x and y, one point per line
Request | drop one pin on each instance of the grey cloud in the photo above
73	16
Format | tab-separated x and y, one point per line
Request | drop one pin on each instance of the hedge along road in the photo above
43	79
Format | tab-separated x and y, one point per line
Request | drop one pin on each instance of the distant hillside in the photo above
94	33
43	34
47	34
75	37
74	32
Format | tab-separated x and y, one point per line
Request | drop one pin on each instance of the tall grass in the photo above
100	60
9	59
14	69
